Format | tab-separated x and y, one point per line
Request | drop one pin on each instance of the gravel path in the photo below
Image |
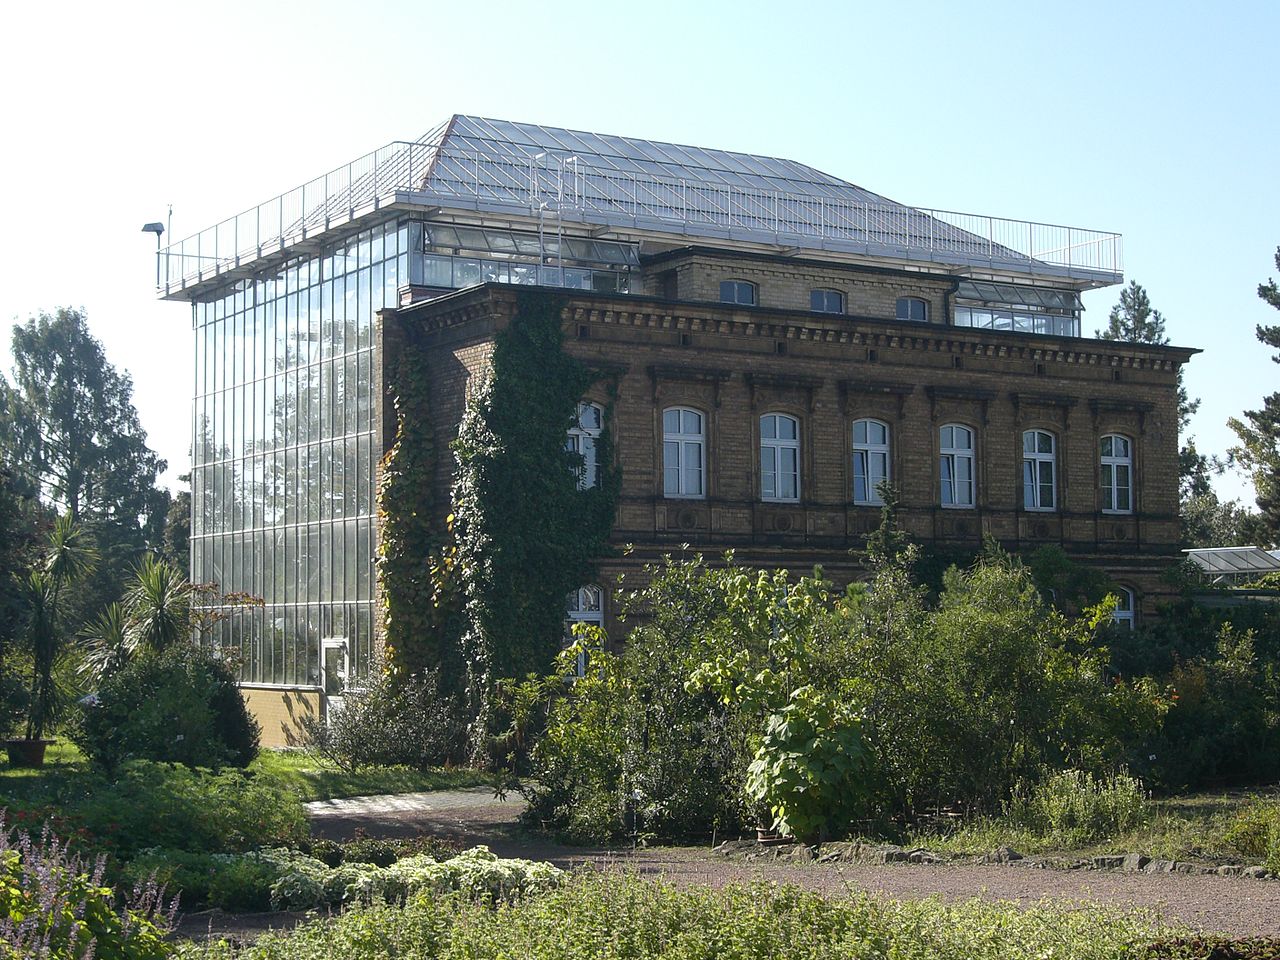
1231	905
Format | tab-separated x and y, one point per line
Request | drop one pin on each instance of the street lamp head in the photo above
156	228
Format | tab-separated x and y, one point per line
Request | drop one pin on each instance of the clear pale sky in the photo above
1155	120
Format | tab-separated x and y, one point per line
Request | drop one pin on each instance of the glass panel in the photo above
671	421
671	468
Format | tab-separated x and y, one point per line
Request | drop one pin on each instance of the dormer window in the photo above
913	309
738	291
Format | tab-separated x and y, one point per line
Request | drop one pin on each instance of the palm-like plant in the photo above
159	605
109	643
69	557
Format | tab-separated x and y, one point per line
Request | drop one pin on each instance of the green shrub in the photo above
621	916
810	769
960	700
236	881
179	706
162	805
1075	808
390	720
476	874
56	907
1254	832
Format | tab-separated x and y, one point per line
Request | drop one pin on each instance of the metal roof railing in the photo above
433	173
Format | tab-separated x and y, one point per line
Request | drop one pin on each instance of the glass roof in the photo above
1018	296
1233	561
467	137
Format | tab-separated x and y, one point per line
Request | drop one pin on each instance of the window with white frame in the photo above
955	450
683	453
583	438
870	460
1117	474
779	458
1039	471
584	605
914	309
738	291
1123	615
826	301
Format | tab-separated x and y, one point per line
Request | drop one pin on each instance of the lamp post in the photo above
158	230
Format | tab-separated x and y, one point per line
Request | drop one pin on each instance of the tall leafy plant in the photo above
69	557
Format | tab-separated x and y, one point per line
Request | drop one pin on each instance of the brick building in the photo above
778	342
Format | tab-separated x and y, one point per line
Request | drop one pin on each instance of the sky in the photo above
1154	120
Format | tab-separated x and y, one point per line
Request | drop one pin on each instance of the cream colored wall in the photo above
280	711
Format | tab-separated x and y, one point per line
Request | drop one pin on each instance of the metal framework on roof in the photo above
1221	563
632	189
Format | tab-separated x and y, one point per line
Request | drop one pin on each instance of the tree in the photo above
70	436
1134	320
176	546
1259	431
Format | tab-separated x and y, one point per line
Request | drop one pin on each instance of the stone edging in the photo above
857	851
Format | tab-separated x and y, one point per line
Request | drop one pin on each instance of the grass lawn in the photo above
66	773
317	780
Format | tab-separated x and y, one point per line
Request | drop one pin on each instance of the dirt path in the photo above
1230	905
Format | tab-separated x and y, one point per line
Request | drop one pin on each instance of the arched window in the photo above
738	291
582	439
870	460
779	457
683	453
826	301
584	605
955	449
1124	615
1039	471
914	309
1117	474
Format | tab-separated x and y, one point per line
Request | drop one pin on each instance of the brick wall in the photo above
735	364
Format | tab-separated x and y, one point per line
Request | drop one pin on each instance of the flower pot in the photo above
26	753
768	837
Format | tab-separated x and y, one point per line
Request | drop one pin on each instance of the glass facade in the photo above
283	454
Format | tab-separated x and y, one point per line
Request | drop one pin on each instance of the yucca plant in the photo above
109	644
69	557
159	605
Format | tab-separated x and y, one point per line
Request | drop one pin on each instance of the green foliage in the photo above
159	603
475	874
1225	680
1259	431
154	804
1255	832
231	881
956	702
416	564
810	768
390	721
526	535
180	706
314	778
176	541
630	918
55	906
1073	808
483	601
634	739
68	558
1211	948
70	434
